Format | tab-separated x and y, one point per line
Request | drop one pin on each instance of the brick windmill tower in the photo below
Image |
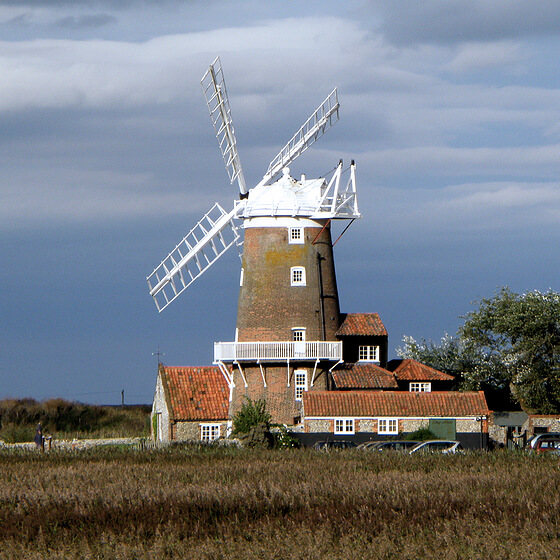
288	310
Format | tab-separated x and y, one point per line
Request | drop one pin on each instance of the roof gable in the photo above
363	376
361	324
411	370
398	404
195	393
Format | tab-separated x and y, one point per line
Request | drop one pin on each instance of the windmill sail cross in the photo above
212	236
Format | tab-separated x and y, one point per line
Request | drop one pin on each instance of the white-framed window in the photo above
388	426
209	432
300	384
298	334
295	235
297	276
420	387
368	353
344	425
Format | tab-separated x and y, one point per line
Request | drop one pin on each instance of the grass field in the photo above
222	503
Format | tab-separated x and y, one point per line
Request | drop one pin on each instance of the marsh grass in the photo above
67	420
223	503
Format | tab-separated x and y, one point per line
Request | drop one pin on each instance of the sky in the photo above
450	109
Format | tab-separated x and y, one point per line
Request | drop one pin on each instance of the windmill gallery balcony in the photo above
276	351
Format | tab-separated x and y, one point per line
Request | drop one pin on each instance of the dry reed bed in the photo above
223	503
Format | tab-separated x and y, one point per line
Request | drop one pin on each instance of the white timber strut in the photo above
214	234
314	127
214	87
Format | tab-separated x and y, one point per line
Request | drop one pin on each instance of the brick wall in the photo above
269	307
280	398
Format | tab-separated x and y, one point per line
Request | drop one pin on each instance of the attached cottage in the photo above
190	404
376	415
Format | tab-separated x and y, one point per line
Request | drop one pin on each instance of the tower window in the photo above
298	335
297	276
300	376
368	353
296	235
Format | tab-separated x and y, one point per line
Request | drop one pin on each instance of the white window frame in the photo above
420	387
210	432
344	426
298	334
388	426
300	383
297	276
295	236
368	353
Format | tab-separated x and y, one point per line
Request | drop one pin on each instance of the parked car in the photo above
396	445
437	446
369	445
334	444
390	445
545	443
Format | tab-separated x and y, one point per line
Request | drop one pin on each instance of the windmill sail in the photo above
316	125
214	234
215	93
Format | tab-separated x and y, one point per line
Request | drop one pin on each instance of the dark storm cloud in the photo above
108	157
455	21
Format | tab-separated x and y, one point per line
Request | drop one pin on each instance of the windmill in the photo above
288	310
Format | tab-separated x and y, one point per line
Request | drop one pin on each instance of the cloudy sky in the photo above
451	110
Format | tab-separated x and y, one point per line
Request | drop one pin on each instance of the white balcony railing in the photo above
276	351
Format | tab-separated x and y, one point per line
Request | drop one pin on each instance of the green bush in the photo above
251	414
283	438
14	433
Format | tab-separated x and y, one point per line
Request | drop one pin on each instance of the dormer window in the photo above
297	276
368	354
295	235
420	387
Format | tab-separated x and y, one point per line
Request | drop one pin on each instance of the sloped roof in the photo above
195	393
411	370
361	324
399	404
363	376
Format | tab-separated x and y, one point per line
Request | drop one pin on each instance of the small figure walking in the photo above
39	442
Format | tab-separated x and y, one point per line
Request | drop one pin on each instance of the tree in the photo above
251	414
450	355
518	336
509	345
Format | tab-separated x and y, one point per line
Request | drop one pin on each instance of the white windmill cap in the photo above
285	197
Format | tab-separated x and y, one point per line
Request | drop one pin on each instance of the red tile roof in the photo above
361	324
411	370
196	393
363	376
397	404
